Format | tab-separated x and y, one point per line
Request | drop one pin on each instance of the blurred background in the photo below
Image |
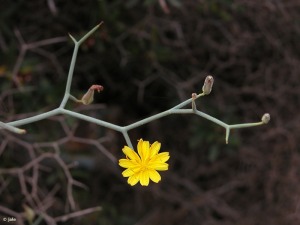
151	55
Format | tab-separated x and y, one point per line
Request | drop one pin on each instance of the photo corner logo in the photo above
9	219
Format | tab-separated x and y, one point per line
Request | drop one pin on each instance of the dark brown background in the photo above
150	58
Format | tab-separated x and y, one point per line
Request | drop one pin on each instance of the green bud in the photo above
194	96
208	83
88	97
266	118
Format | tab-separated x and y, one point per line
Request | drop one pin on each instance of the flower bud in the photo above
266	118
89	96
208	83
194	96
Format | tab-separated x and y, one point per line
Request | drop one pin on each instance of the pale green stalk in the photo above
36	118
178	109
11	128
91	119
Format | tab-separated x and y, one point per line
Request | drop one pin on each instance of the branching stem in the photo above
178	109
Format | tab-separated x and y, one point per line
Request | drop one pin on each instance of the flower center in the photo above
144	166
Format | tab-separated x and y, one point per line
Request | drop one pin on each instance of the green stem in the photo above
91	119
244	125
127	139
186	102
227	134
213	119
147	120
11	128
124	130
34	118
89	33
72	64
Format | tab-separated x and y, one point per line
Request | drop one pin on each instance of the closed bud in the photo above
88	97
208	83
266	118
194	96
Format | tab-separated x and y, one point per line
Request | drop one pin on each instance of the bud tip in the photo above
22	131
208	83
88	97
266	118
194	96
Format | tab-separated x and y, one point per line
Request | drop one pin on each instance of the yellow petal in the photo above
143	149
154	149
132	180
158	166
127	173
144	178
140	147
130	153
161	157
126	163
146	150
154	176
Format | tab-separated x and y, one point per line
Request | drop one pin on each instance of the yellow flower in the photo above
144	165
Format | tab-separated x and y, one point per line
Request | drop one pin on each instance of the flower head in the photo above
144	165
